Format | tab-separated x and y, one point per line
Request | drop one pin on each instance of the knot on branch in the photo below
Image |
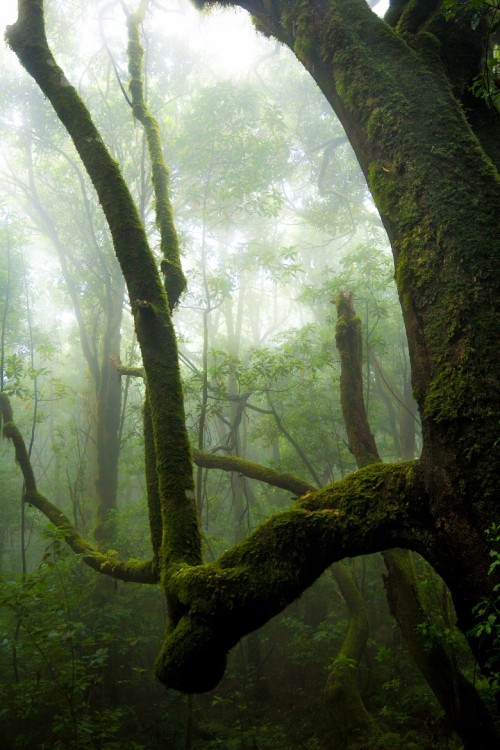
143	305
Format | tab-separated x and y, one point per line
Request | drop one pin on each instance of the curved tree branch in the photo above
249	469
222	601
153	324
133	571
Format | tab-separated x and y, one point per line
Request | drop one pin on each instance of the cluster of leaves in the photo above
486	84
487	612
68	663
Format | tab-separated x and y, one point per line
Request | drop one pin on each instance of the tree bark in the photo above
463	707
399	93
342	695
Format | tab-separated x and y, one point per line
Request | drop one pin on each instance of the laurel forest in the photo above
250	375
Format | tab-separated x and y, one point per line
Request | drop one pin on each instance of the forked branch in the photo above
222	601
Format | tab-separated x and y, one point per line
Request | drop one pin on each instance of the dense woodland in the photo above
249	376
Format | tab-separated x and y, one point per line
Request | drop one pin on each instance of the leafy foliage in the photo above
487	612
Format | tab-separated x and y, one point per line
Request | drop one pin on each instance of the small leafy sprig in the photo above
486	85
487	613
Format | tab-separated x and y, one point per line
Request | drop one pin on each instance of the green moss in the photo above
153	495
175	282
449	395
220	602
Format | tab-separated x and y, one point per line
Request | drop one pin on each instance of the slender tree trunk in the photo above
352	720
109	408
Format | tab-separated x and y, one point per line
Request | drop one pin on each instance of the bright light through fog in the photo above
225	35
8	13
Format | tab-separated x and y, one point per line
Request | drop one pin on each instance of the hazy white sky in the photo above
227	37
8	13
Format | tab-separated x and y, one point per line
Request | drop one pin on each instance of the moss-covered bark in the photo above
455	693
249	469
365	512
175	282
153	492
342	694
349	345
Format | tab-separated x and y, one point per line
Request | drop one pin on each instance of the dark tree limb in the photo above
349	344
341	692
133	372
152	487
249	469
463	706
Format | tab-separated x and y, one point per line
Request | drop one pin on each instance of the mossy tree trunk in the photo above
343	699
397	90
430	155
462	705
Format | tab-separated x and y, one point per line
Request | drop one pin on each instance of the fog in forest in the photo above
277	230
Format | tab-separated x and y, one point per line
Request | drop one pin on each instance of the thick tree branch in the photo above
175	281
222	601
348	338
133	372
152	486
